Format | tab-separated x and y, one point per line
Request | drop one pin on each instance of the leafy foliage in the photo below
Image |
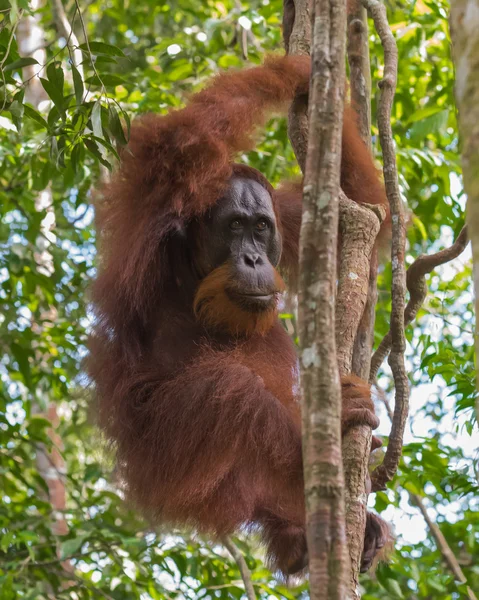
62	124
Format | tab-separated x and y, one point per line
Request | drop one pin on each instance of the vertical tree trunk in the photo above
321	391
464	21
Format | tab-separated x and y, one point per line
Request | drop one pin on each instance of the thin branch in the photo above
386	471
436	533
7	53
384	399
417	287
87	42
11	38
45	64
242	566
66	30
442	545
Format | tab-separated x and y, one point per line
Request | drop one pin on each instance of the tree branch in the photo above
436	533
297	40
417	287
360	86
386	471
66	30
359	67
358	226
442	545
321	392
242	566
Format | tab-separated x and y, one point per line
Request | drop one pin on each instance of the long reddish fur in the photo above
206	428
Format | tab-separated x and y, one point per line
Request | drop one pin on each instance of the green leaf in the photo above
20	63
423	113
394	588
56	76
35	116
37	426
76	155
77	84
102	48
182	70
115	126
430	125
420	227
107	79
106	144
16	109
22	358
54	93
93	148
96	120
71	547
54	149
6	540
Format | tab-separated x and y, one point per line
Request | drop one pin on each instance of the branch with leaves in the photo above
441	542
442	545
417	288
242	566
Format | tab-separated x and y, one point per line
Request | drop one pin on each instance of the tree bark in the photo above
386	471
464	21
360	86
242	566
297	41
359	67
417	288
359	226
321	391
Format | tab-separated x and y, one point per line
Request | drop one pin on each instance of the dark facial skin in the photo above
241	230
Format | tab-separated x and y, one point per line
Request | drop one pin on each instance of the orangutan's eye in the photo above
236	224
261	225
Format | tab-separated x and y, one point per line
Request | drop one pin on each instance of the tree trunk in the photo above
321	391
464	21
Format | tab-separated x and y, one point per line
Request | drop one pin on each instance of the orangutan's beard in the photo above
214	307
